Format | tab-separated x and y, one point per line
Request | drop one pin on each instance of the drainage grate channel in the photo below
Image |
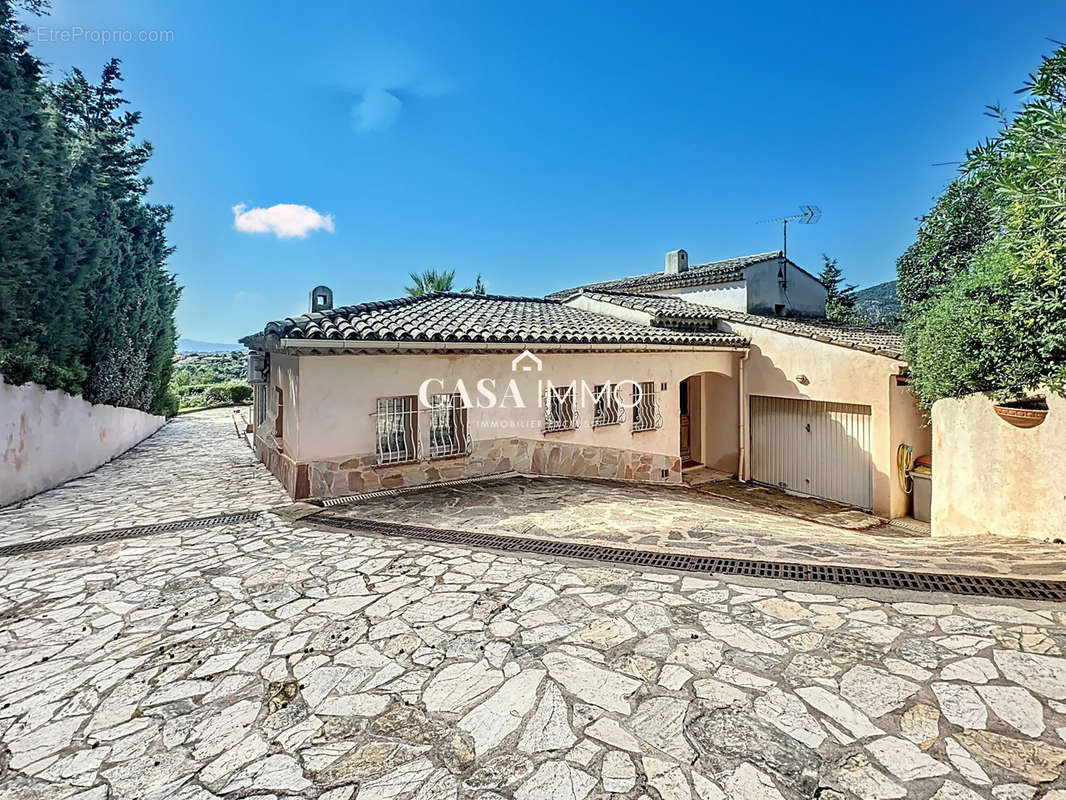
987	586
356	498
124	533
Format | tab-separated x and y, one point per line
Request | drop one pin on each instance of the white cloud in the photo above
376	110
284	220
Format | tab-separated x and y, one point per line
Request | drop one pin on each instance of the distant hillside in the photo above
205	380
879	304
196	346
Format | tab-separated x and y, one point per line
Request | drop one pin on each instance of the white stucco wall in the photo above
337	395
48	436
732	295
990	477
838	375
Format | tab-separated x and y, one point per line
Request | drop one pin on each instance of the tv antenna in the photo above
808	216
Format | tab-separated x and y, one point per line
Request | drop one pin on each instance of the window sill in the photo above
387	464
606	424
545	432
450	456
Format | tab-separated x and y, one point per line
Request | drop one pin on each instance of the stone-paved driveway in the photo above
273	659
194	466
693	522
269	660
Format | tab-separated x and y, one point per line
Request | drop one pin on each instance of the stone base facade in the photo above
320	480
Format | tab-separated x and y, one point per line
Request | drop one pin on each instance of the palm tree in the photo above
429	281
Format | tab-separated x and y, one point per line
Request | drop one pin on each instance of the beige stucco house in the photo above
635	379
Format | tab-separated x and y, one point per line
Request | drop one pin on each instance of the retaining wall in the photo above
48	436
991	477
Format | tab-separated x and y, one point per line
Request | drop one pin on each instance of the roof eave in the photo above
402	346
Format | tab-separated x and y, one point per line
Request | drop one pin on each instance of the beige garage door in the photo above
813	448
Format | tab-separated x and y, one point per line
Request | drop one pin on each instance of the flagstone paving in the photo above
194	466
690	521
272	659
275	659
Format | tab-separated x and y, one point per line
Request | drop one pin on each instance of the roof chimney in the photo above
321	299
676	261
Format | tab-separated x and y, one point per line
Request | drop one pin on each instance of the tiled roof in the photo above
449	317
656	305
730	269
871	340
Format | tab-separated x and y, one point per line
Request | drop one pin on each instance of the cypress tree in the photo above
86	301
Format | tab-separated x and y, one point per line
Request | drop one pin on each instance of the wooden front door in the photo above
686	440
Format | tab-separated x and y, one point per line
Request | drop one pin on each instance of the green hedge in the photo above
203	395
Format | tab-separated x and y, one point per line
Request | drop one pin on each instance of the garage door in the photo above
813	448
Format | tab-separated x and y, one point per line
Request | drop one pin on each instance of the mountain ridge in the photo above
198	346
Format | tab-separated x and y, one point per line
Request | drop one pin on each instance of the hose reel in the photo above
904	465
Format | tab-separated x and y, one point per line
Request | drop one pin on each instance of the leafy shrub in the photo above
206	395
960	224
977	336
169	404
984	287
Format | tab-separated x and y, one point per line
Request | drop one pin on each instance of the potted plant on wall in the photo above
1027	412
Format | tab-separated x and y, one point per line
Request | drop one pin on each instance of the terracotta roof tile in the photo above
872	340
489	319
664	309
656	305
730	269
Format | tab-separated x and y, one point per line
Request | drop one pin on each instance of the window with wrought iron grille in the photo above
448	434
646	415
397	429
607	411
559	411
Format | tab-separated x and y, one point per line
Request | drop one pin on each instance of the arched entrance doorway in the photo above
690	423
708	425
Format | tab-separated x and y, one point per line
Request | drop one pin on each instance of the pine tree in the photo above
839	301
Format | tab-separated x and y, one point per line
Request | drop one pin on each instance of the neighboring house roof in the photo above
730	269
449	317
664	309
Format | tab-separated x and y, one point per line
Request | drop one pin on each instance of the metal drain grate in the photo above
355	498
124	533
1017	588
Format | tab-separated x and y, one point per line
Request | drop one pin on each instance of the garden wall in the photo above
990	477
48	436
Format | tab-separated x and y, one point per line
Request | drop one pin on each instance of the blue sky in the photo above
542	144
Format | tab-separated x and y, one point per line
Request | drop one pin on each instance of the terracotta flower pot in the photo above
1023	413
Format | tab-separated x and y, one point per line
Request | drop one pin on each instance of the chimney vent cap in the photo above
321	299
676	262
